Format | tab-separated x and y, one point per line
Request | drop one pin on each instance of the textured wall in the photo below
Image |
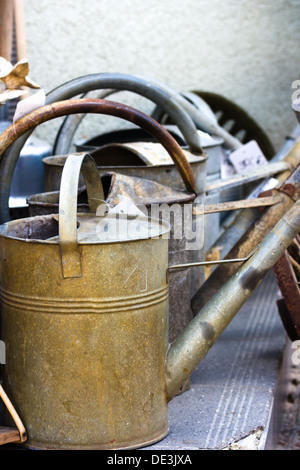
247	50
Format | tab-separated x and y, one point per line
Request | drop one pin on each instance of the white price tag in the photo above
25	106
248	157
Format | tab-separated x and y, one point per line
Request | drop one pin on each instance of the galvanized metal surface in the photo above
50	199
107	344
70	253
231	394
175	208
143	87
115	185
67	359
210	145
177	248
248	281
47	203
233	117
227	115
203	120
117	136
207	263
146	194
232	389
161	170
77	341
140	159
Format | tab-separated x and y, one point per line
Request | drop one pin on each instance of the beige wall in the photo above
247	50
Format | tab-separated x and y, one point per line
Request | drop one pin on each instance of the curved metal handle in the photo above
113	82
182	111
67	130
70	124
111	108
70	254
80	85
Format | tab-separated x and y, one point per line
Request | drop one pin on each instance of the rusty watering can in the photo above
135	153
85	321
137	157
36	231
182	283
141	159
156	201
87	83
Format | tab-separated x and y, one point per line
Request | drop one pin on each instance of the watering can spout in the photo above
187	351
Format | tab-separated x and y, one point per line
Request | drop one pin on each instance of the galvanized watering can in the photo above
182	283
131	151
147	160
153	199
84	84
37	231
85	315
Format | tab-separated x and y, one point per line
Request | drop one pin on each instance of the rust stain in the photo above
289	308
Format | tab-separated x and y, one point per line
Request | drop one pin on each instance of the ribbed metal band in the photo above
80	306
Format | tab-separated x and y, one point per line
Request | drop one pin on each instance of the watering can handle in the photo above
63	108
93	82
110	83
70	254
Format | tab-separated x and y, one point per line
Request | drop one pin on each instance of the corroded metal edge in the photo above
122	446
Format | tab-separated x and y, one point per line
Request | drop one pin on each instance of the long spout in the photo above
187	351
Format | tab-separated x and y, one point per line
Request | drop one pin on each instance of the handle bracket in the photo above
70	250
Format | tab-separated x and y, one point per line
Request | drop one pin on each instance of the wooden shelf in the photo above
8	435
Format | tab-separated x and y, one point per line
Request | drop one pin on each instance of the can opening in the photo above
34	228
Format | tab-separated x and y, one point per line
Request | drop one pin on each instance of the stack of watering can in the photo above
95	345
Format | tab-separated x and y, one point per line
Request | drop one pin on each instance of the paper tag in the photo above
29	104
248	157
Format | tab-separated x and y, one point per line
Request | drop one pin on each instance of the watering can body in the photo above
147	160
80	321
87	359
76	347
89	365
156	201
